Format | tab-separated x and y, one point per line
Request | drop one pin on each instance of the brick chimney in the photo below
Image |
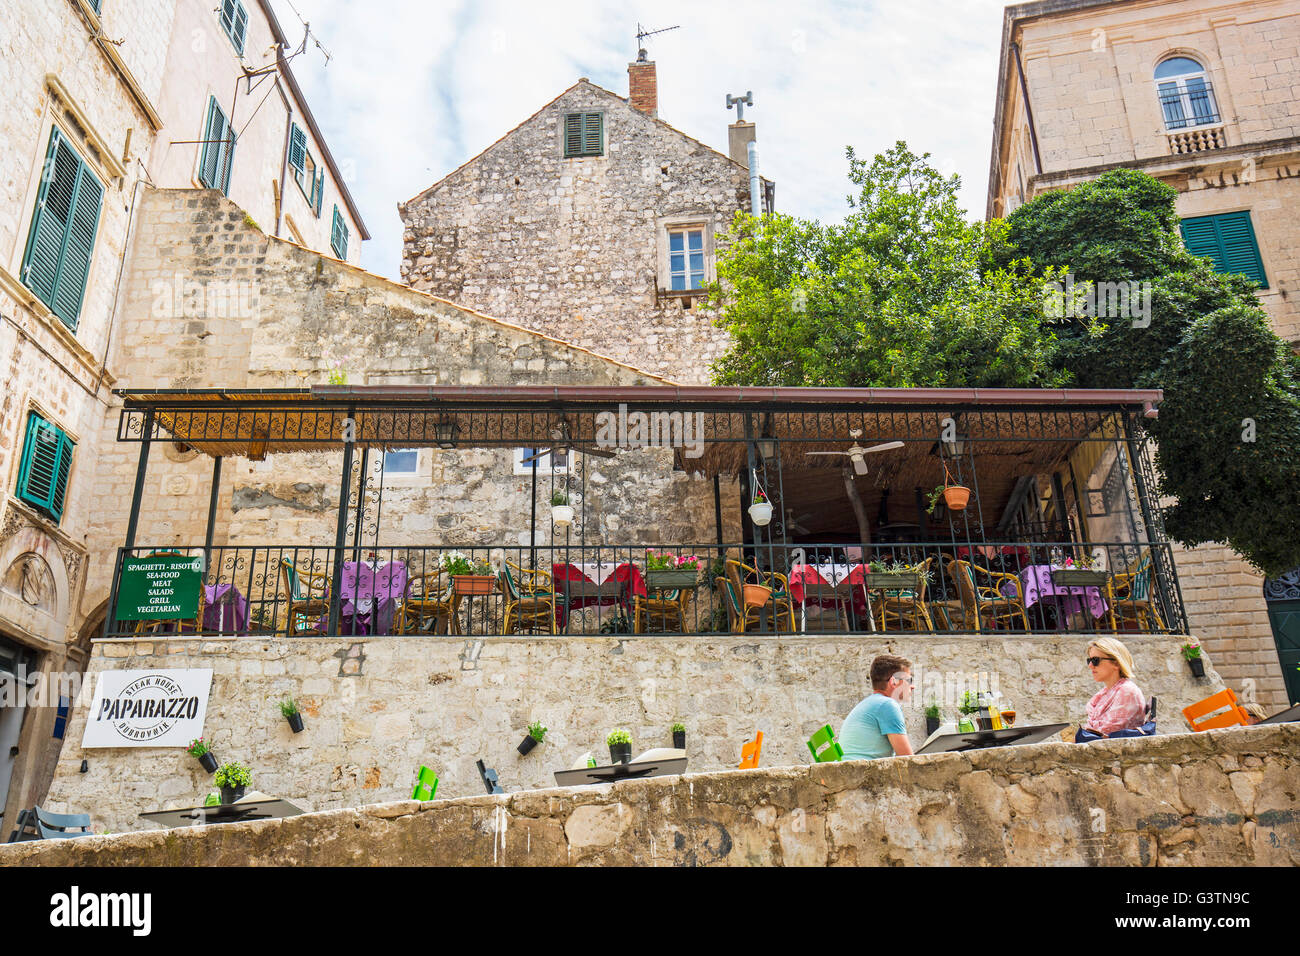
642	87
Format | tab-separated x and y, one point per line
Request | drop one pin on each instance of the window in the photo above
43	474
686	259
339	235
309	176
234	20
404	461
218	149
1229	240
584	134
556	463
1186	96
57	261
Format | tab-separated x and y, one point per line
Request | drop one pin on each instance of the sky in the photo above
413	89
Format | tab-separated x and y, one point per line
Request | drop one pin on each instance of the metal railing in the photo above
992	587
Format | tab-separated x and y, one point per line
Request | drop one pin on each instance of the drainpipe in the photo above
755	202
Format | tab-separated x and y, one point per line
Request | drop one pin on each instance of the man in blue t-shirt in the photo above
874	728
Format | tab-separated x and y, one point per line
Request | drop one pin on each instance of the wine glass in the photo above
1008	715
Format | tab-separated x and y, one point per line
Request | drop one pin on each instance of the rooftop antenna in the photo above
307	34
642	33
740	102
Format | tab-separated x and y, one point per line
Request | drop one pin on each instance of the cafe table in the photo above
1039	585
833	585
594	584
252	806
369	596
660	767
984	739
1288	716
225	610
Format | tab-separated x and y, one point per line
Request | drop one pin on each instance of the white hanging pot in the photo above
760	512
562	515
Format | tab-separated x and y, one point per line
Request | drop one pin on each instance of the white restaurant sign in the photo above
160	708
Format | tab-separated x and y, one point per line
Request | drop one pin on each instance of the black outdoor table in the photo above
223	813
620	771
1288	716
981	739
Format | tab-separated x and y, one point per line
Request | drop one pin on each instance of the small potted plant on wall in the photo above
536	734
679	735
620	745
933	717
207	759
233	779
289	708
468	575
1191	652
561	510
760	511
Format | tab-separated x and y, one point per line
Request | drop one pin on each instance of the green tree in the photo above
1229	426
904	293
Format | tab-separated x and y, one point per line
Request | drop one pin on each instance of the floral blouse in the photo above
1119	707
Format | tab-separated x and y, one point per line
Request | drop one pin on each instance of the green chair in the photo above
823	746
426	785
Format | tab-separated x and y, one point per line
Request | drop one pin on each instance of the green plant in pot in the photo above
289	708
620	745
207	759
679	735
933	717
1191	652
536	734
233	779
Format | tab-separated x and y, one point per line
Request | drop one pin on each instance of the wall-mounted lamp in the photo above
445	432
85	767
766	448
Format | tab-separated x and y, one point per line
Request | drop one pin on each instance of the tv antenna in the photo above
642	33
740	102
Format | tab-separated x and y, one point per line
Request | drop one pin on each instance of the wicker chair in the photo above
530	599
1131	597
428	606
739	574
308	598
663	610
908	607
981	604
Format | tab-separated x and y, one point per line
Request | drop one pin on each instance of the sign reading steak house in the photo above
148	708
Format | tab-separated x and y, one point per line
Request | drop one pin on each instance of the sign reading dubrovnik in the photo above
162	586
148	708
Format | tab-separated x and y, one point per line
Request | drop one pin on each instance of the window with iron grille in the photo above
339	235
584	134
56	263
46	461
1186	95
1229	240
218	149
234	21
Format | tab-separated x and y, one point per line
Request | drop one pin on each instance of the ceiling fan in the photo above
856	453
563	440
793	523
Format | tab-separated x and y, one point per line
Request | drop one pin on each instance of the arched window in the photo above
1186	97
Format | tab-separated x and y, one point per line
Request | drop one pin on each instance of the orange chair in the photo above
1234	716
750	751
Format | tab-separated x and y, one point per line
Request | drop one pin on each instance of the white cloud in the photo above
414	89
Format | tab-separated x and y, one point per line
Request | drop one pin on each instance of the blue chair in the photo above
25	827
490	780
57	826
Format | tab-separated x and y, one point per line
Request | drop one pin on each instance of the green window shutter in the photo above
46	461
218	149
1228	240
573	134
297	148
234	21
339	235
56	263
584	134
318	190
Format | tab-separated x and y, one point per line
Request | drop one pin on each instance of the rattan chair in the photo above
662	610
739	574
307	598
906	607
986	604
428	606
1131	597
530	599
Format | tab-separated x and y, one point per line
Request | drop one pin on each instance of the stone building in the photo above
593	221
1205	96
104	102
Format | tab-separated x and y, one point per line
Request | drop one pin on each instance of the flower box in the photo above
667	580
907	581
1079	578
470	584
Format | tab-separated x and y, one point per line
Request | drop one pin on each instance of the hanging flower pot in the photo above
209	762
956	497
536	734
757	595
1198	666
562	515
289	709
679	736
206	758
760	512
233	779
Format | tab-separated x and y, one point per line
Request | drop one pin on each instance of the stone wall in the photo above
576	248
1223	798
376	709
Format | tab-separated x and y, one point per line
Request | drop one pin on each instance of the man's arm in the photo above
901	743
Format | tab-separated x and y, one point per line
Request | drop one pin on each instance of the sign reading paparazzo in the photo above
160	708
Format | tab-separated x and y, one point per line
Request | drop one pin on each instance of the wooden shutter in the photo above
47	459
573	134
218	149
241	27
56	263
592	130
1229	240
318	190
297	148
339	235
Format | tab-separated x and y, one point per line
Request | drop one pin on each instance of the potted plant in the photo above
933	717
561	510
1081	573
954	496
468	575
666	571
760	511
233	779
536	734
207	758
620	745
892	577
289	708
679	735
1191	652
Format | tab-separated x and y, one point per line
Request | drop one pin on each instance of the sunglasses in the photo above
1096	661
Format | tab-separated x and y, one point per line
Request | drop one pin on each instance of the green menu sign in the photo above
163	586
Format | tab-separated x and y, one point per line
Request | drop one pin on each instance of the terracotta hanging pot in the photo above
956	497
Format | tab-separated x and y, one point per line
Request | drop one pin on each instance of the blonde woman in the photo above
1119	705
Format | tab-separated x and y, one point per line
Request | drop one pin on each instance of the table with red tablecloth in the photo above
627	577
824	585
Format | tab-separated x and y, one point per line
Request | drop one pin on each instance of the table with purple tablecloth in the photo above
225	610
1037	584
370	595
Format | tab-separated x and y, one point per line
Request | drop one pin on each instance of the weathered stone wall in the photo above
576	247
376	709
1223	798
